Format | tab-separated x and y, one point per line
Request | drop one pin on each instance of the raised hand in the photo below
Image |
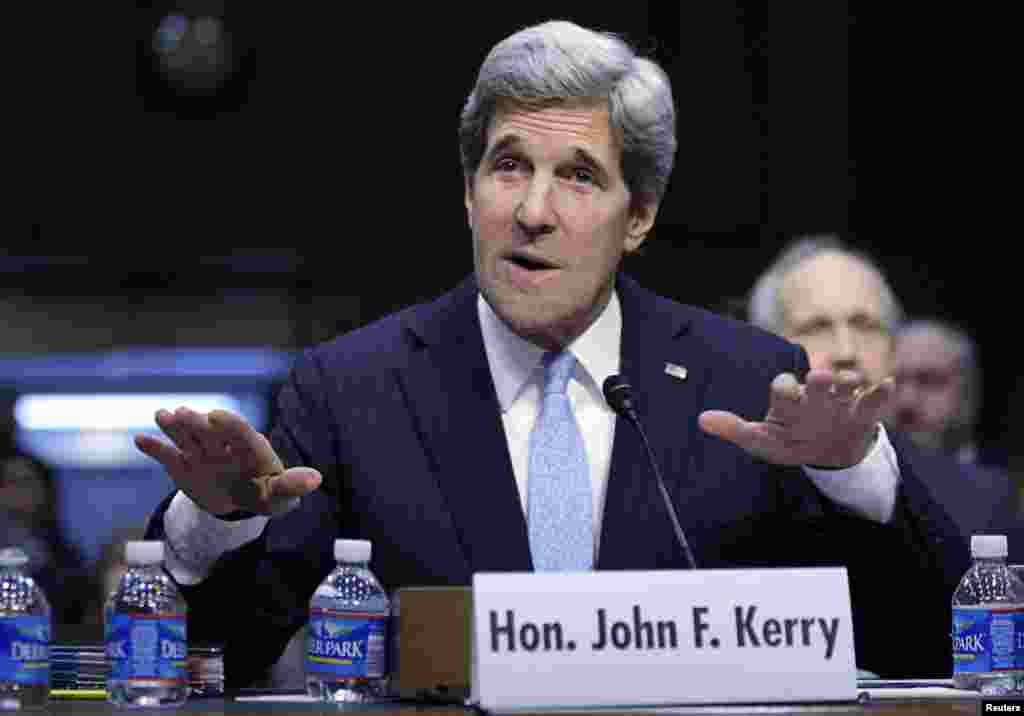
831	421
223	464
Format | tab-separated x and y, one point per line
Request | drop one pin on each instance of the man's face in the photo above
930	388
551	219
832	306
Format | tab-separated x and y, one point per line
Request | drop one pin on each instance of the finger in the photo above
198	427
169	457
247	445
846	386
873	402
172	427
747	435
764	440
774	444
233	428
786	385
236	432
785	397
273	493
820	392
721	423
294	482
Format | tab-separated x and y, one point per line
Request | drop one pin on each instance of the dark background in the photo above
319	186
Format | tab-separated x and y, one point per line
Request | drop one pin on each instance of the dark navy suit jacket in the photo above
402	419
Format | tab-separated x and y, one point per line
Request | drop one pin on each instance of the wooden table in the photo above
968	706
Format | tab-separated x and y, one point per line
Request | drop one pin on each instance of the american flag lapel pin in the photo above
676	371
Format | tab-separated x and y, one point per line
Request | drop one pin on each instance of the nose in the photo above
534	214
846	350
904	406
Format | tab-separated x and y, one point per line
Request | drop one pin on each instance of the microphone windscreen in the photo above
618	392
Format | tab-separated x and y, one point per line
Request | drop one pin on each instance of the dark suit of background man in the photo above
413	431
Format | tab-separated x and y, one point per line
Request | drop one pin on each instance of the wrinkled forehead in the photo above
832	286
574	123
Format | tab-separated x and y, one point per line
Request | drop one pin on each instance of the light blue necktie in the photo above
560	510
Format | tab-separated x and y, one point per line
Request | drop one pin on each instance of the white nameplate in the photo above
667	637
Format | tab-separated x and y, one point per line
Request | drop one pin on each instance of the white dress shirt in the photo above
196	538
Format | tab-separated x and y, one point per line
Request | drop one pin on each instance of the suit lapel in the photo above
453	402
636	529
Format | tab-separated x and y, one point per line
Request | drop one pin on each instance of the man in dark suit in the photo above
419	431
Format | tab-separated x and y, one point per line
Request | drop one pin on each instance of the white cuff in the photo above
195	538
868	488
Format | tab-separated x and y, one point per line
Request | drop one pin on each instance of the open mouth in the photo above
528	272
528	263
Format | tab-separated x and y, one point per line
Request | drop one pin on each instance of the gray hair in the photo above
559	60
966	351
765	305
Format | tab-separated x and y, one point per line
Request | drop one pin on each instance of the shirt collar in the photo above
513	359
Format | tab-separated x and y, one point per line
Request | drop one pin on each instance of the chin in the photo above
536	330
529	320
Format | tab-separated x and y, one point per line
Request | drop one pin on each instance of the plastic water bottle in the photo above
24	636
145	620
988	621
347	638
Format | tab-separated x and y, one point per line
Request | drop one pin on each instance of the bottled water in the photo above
347	638
24	636
145	633
988	621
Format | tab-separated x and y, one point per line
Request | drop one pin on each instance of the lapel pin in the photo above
676	371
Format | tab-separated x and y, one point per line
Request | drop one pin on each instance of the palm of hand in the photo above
828	422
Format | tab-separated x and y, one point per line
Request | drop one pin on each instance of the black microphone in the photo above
619	394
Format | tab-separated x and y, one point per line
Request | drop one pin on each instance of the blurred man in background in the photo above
29	519
938	395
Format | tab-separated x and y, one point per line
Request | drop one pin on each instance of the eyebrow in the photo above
815	319
582	156
506	142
